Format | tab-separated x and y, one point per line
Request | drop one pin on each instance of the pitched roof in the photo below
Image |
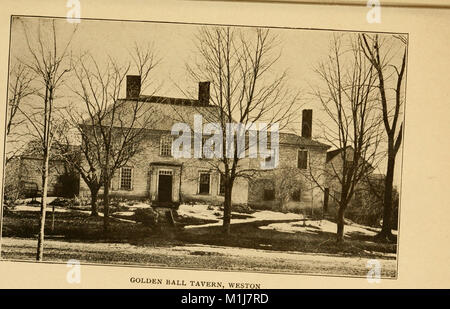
164	112
160	113
333	153
33	150
294	139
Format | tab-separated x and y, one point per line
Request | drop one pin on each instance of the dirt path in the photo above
195	256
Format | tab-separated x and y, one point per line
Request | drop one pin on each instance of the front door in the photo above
165	188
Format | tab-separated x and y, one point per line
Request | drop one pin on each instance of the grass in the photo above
77	226
248	235
72	226
80	236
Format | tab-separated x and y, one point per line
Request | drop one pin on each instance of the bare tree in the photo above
48	61
111	129
348	97
245	89
79	153
19	89
287	185
379	53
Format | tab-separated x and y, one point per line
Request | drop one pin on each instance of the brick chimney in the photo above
133	86
203	93
307	123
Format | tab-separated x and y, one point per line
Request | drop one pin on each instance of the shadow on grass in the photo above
249	235
77	226
73	226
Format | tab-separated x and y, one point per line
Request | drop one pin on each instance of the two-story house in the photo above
155	174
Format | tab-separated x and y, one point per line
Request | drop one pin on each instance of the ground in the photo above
265	241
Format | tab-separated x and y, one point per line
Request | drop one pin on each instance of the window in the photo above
302	159
296	195
269	194
166	146
222	185
204	183
208	152
165	172
126	178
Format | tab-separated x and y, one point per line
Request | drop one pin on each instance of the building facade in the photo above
155	174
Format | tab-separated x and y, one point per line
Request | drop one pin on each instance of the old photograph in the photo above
204	147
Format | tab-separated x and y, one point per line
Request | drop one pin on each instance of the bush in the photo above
60	201
68	184
147	216
242	208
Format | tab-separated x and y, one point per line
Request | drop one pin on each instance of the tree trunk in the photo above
53	218
227	208
386	230
340	224
94	207
40	246
106	206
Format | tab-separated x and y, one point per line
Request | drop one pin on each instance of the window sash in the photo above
166	146
126	178
269	194
297	195
204	183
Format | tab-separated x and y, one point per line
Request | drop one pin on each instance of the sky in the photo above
301	50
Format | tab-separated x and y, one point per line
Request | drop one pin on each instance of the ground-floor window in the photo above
296	195
269	194
204	183
126	175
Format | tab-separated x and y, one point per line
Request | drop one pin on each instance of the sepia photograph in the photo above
204	147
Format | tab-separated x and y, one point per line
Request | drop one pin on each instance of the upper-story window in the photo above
207	152
166	146
302	159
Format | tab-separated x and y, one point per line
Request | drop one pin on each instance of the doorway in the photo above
165	186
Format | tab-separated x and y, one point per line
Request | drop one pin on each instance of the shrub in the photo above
60	201
68	184
147	216
242	208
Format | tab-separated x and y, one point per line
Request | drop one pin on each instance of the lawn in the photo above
250	235
257	242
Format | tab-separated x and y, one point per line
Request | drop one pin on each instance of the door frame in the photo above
167	172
